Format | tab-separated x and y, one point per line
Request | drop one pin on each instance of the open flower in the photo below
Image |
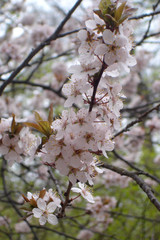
44	212
10	149
85	193
114	49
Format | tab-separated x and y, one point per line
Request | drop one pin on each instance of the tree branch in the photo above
140	119
54	36
134	175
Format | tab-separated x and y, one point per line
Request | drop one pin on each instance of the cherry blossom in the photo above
4	221
42	206
29	142
85	193
85	234
74	92
10	149
44	212
99	210
22	227
73	142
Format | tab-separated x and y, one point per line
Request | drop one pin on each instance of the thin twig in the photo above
66	202
54	36
134	175
149	26
10	200
139	171
56	184
138	120
144	15
55	231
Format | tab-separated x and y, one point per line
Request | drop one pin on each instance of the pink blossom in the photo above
10	149
85	234
22	227
85	193
44	212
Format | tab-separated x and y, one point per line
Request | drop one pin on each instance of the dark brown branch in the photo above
139	171
145	15
9	235
91	229
138	120
134	175
10	199
69	33
35	69
149	26
133	216
147	36
66	202
139	107
54	36
56	184
96	81
45	87
122	214
65	53
55	231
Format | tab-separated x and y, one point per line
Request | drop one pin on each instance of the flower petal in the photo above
74	189
108	36
82	35
37	212
51	207
41	204
52	219
88	196
101	49
42	220
90	24
81	185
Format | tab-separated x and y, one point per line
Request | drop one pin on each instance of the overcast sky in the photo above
66	4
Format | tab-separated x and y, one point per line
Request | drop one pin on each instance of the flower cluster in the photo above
84	192
100	210
42	205
111	179
16	140
70	144
22	227
104	54
70	148
4	221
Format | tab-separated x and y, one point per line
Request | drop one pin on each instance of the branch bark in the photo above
54	36
134	175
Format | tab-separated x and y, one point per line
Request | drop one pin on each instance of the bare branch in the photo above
138	120
145	15
54	36
134	175
139	171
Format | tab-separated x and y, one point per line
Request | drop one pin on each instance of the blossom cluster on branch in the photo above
72	143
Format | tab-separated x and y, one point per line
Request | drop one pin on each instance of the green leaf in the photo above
119	11
37	117
99	13
42	193
123	18
33	202
46	129
34	125
111	20
18	128
103	6
44	140
25	198
13	124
